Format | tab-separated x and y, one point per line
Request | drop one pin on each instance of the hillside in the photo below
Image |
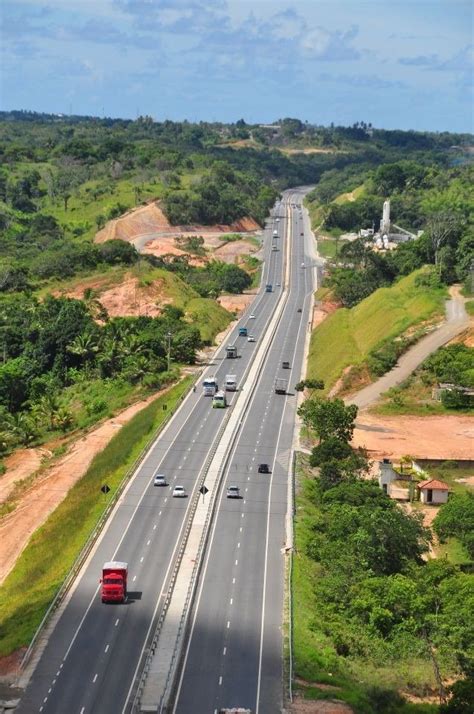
348	337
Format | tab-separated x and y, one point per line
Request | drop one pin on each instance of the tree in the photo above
329	418
309	384
456	518
331	448
118	251
13	384
441	226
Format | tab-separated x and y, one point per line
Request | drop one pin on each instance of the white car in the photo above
250	338
179	492
233	492
252	316
159	480
303	265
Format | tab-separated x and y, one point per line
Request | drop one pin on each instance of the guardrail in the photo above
291	507
86	549
170	683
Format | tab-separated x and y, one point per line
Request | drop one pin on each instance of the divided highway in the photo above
235	653
235	649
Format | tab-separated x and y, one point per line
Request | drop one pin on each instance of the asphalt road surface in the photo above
235	652
92	657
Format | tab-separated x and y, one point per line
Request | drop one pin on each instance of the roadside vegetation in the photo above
370	337
374	622
40	570
453	365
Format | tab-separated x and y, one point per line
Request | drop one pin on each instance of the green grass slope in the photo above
347	336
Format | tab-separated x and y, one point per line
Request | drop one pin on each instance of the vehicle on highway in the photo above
209	386
275	233
243	332
298	310
251	316
285	365
263	469
278	285
179	492
233	492
280	386
251	338
159	480
268	288
231	352
114	581
277	220
219	401
303	265
302	233
274	248
230	383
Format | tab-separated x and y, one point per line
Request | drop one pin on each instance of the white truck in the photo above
230	383
275	233
210	387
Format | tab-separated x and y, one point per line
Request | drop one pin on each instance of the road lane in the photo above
104	643
234	655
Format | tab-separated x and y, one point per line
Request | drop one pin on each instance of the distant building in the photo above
385	222
433	491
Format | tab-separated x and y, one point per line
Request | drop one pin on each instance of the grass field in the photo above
469	305
208	316
350	195
413	397
330	247
31	586
347	336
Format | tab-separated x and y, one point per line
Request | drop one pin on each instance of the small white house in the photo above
433	491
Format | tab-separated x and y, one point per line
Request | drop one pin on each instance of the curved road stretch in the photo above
92	656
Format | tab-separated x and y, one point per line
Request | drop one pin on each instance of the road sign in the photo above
105	488
203	490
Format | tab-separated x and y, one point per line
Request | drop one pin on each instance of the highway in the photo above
234	656
94	652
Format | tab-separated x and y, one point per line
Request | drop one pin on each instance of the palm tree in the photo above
22	427
84	346
48	407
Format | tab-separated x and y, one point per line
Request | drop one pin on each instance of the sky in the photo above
405	64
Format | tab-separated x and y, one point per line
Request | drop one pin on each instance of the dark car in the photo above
298	310
285	365
263	469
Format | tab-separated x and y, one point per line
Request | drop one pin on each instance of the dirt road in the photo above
457	320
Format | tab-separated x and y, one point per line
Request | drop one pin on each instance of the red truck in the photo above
114	581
